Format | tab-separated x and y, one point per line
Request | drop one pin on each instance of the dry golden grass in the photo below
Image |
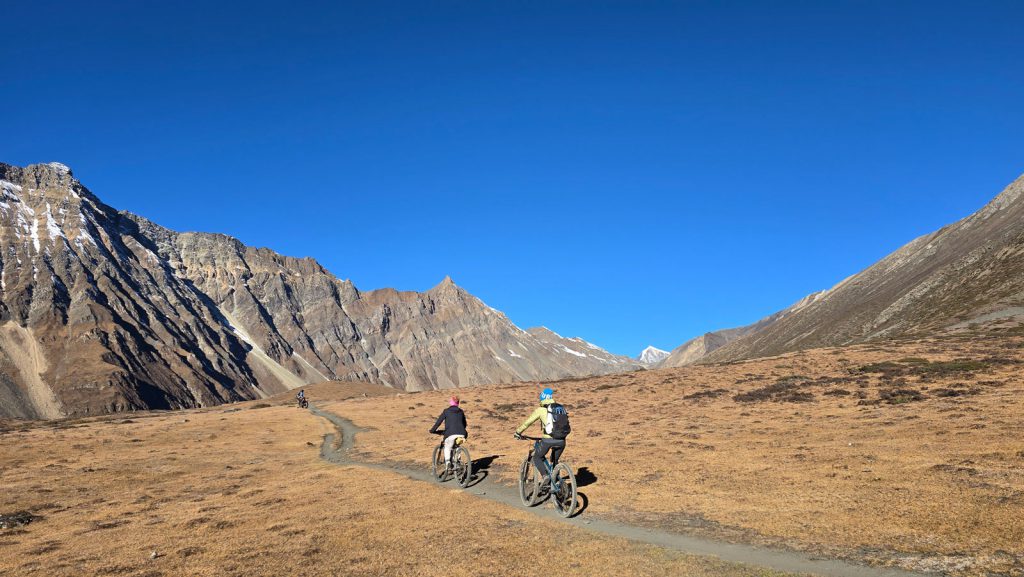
843	461
242	491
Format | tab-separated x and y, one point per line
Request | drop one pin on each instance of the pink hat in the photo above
453	402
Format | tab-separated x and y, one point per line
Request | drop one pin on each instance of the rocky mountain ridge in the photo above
583	353
104	311
700	347
969	272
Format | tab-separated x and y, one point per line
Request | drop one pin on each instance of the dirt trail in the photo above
777	559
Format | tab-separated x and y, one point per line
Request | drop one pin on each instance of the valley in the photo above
904	454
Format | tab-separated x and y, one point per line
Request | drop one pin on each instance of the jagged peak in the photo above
50	180
60	167
446	285
652	355
52	169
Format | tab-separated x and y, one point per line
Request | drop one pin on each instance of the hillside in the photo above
969	272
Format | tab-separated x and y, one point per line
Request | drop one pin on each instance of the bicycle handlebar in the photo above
525	438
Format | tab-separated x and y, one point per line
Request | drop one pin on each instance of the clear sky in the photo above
630	172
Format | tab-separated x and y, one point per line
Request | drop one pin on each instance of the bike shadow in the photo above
581	504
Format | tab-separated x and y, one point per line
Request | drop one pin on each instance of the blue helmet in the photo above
547	394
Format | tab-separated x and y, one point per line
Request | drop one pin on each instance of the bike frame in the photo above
456	446
460	455
555	485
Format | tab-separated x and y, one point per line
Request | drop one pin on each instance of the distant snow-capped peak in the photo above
652	355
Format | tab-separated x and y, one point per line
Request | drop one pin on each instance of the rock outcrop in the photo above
92	320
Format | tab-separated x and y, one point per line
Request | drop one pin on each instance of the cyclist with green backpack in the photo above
555	421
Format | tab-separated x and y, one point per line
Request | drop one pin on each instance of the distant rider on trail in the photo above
301	398
549	413
454	427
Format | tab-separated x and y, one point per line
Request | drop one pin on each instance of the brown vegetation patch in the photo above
785	390
16	519
706	394
900	396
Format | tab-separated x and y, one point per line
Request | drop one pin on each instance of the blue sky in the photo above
631	172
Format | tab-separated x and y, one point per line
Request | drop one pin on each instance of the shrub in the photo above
706	394
785	390
900	396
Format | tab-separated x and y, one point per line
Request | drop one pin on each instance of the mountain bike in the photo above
562	486
303	403
461	466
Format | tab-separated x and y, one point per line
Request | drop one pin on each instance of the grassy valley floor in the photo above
242	491
907	454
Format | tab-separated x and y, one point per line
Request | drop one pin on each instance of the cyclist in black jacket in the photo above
454	427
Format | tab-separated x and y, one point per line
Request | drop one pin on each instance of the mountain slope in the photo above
106	311
700	347
91	320
318	327
969	271
582	355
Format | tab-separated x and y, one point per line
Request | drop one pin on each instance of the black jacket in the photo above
454	422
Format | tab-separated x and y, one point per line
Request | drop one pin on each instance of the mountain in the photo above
969	272
582	354
700	347
104	311
652	356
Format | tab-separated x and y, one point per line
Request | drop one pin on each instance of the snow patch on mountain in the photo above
51	225
572	352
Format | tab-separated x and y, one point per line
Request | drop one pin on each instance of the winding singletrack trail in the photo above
337	452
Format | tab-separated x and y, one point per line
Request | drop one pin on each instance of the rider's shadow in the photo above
481	467
584	477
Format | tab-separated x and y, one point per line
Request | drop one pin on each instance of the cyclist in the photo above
454	427
301	397
547	442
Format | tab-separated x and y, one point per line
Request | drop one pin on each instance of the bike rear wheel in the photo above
528	490
463	466
563	491
437	463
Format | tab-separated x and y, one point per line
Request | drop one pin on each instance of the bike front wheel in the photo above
463	466
564	489
528	490
437	463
